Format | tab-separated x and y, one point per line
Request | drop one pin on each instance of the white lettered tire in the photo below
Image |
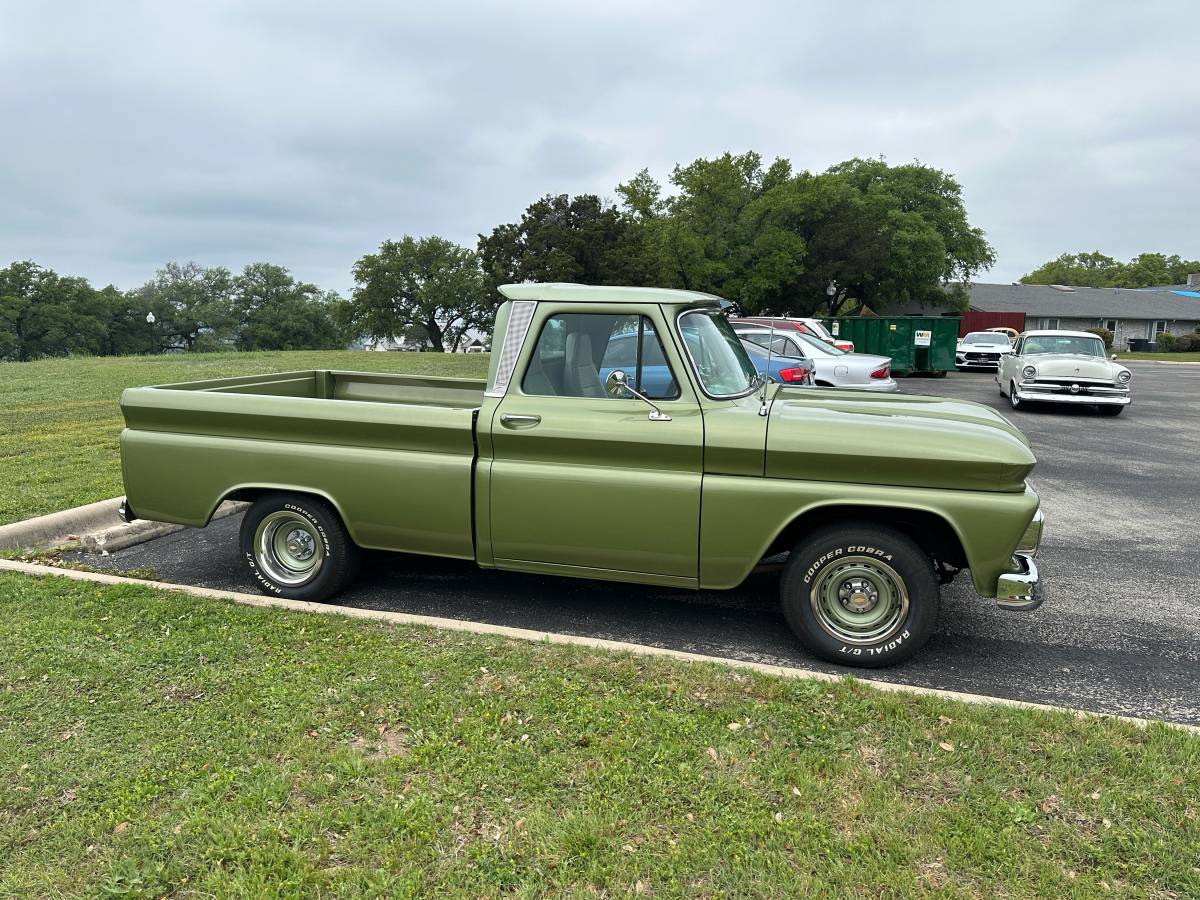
297	547
860	594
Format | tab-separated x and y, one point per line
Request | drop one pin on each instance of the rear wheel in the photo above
297	547
860	595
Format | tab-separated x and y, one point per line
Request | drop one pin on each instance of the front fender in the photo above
742	517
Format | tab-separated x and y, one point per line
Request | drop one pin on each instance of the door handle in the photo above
511	420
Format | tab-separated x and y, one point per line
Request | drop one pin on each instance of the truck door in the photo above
582	480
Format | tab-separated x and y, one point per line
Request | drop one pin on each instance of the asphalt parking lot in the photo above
1119	632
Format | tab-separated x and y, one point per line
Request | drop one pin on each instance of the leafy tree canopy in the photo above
784	242
1097	270
581	239
276	312
46	314
192	304
426	283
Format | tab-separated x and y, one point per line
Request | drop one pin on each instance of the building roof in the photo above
564	292
1046	300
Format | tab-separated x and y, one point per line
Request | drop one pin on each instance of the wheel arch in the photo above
930	529
249	493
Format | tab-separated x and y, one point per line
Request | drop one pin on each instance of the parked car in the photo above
790	369
1011	333
981	350
804	326
831	367
1063	367
547	467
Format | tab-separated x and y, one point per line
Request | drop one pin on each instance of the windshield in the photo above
984	337
717	355
1063	343
818	329
821	348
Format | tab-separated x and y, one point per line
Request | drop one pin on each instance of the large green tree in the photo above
1097	270
783	242
730	227
582	239
192	306
924	239
46	314
276	312
428	285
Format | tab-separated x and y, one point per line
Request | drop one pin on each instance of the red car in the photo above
808	326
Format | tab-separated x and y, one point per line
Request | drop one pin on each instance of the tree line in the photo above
1097	270
775	240
185	307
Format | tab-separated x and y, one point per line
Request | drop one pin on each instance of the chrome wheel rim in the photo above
1013	399
860	600
288	548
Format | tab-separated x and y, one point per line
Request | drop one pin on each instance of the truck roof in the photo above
598	293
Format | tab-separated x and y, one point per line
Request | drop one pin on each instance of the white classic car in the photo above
981	350
1063	367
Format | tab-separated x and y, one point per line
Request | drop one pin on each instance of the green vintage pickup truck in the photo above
622	434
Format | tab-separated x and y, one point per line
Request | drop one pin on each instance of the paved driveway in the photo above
1120	631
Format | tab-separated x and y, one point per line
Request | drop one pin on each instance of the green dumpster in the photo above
916	344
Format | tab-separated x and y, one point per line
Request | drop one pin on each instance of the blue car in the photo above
783	369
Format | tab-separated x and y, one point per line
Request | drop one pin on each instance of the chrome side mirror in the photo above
617	385
1113	357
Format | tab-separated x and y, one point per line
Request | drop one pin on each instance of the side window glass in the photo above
576	352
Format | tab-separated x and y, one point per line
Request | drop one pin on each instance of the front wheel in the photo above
297	547
1107	410
860	595
1013	400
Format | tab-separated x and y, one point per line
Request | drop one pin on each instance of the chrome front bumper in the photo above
1021	590
1104	397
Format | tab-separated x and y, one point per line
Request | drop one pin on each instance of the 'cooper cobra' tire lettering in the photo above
338	556
861	593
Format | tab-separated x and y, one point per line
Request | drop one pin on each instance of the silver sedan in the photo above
832	367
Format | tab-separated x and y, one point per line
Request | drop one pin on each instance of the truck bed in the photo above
369	387
393	453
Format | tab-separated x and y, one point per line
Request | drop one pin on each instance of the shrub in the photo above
1105	335
1165	340
1185	342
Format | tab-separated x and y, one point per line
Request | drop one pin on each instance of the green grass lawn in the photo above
158	744
1161	357
59	418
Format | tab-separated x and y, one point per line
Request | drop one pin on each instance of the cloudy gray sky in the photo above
305	133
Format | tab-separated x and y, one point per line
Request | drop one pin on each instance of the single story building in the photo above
1129	313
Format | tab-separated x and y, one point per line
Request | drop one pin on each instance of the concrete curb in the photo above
123	534
96	526
525	634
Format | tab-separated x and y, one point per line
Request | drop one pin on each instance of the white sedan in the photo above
831	367
981	350
1063	367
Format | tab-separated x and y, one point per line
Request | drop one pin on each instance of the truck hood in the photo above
1072	365
895	439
